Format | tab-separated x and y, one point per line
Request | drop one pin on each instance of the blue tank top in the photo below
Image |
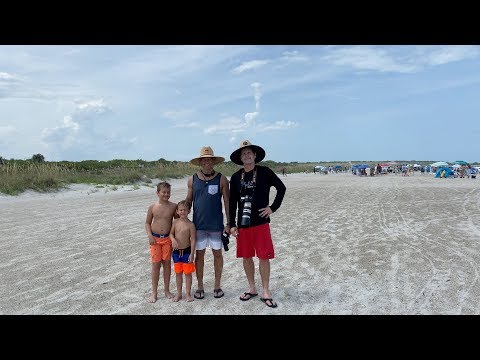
207	204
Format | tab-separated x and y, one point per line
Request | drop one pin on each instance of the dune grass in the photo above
18	176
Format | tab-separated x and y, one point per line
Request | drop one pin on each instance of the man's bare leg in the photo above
218	267
264	267
199	265
249	268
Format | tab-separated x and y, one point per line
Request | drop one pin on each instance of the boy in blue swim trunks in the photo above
158	223
183	235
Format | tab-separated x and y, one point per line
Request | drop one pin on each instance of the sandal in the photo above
270	302
218	293
247	296
199	294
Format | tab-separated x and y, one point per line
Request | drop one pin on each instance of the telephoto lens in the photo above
225	240
247	210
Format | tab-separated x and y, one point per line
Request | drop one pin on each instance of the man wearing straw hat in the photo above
206	188
250	189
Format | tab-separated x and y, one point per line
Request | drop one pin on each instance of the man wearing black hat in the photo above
249	191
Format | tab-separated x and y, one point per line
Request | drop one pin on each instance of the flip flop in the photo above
272	304
218	293
247	296
199	294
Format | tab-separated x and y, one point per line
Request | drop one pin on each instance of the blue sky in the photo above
309	103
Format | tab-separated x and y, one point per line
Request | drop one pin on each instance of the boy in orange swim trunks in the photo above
183	235
158	223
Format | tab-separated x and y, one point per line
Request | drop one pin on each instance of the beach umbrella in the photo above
461	162
439	163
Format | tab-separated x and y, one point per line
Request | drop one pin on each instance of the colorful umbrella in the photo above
439	163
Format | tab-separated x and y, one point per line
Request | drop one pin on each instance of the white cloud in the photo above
395	59
250	65
250	118
234	125
257	93
93	106
434	55
367	58
293	56
4	77
226	126
63	134
277	125
181	118
193	124
77	137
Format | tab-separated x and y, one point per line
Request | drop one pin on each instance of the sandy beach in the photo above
344	244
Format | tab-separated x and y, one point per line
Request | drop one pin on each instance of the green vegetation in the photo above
17	176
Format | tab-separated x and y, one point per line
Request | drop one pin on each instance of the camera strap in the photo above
254	179
250	189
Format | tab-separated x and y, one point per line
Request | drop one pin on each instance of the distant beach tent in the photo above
448	172
360	167
439	163
320	169
461	162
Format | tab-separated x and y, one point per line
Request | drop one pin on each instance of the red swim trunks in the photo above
255	240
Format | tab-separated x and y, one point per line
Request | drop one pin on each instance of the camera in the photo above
225	240
247	210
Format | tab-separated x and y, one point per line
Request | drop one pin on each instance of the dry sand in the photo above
344	245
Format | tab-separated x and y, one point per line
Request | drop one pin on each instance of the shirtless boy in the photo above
183	235
158	223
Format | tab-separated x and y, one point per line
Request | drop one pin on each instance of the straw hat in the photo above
260	153
207	152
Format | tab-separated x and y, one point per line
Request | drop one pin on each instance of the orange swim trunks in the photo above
161	250
180	261
186	268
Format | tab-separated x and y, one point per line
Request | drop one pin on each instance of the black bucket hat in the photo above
260	153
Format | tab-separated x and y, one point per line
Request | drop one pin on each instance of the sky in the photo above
305	103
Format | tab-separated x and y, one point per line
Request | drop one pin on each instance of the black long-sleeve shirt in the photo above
265	178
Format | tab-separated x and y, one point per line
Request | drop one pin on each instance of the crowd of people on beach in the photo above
456	171
240	208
